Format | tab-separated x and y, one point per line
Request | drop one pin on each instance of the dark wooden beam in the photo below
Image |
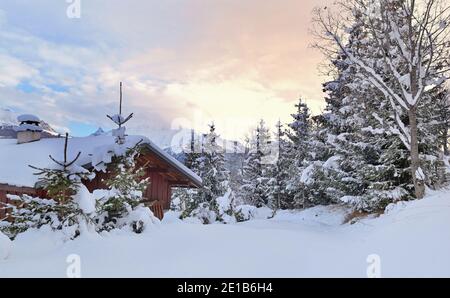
178	182
157	170
12	188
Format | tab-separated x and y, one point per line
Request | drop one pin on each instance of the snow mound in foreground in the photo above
5	246
411	240
433	208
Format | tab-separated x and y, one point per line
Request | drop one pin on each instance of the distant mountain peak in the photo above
7	117
8	121
99	132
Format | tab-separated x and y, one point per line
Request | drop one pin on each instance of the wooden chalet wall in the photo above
97	182
157	195
18	191
158	189
162	177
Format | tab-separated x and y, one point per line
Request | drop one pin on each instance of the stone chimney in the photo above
29	129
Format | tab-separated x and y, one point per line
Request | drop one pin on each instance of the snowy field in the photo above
412	240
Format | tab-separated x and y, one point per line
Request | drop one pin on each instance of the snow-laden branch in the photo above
374	76
397	36
402	132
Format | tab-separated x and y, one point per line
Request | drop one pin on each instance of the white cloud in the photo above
13	71
224	59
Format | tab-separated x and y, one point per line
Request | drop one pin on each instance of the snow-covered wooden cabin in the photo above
17	178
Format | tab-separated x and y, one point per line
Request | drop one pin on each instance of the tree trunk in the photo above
419	186
445	141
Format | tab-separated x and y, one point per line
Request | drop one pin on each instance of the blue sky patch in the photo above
26	87
78	129
58	88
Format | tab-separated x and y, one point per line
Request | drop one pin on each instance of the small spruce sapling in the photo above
60	211
126	188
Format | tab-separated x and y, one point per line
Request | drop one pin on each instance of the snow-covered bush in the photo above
183	200
5	246
223	209
245	212
29	212
204	213
176	204
112	213
138	220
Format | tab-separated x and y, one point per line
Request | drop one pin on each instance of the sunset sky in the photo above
183	62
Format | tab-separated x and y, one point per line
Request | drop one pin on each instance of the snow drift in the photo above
411	239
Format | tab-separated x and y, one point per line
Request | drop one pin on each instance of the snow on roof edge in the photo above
14	161
167	157
173	161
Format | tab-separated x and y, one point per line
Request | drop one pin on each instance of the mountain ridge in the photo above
8	123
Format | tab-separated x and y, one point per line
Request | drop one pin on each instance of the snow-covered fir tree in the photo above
299	129
64	210
121	204
432	124
439	110
278	195
210	166
256	173
403	66
357	141
299	153
126	186
183	198
324	180
371	164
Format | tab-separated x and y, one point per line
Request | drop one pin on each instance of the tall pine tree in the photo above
256	173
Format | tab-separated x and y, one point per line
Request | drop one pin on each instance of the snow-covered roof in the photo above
15	158
174	162
28	127
28	118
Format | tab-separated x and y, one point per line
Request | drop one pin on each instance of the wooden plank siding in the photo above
3	200
6	190
157	195
154	192
156	205
158	189
97	182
